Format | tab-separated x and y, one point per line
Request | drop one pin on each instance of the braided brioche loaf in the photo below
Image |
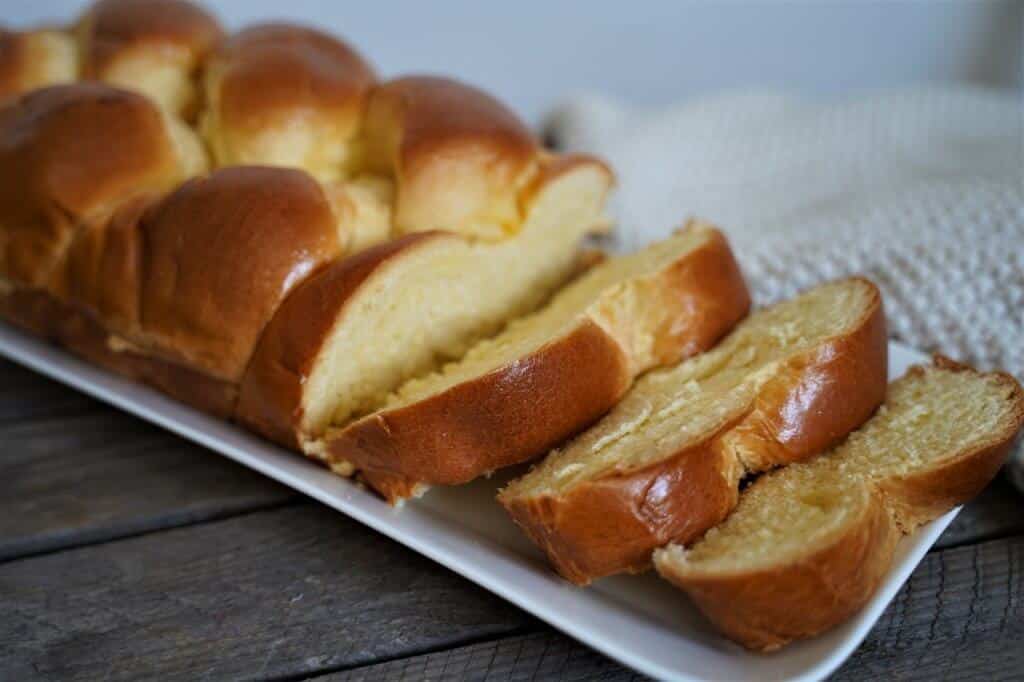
255	224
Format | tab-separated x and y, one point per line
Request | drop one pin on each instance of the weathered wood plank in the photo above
302	589
27	395
545	655
284	592
81	478
959	617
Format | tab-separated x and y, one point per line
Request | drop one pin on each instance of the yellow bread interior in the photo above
613	282
428	306
784	515
163	75
929	417
296	139
363	207
188	146
668	410
50	58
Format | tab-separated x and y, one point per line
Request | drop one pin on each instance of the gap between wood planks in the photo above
371	601
952	635
512	633
171	522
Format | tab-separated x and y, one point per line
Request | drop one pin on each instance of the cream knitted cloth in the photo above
923	192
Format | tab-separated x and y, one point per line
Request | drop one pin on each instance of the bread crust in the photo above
916	499
219	255
270	401
59	165
33	59
802	596
114	28
459	157
819	397
520	410
15	67
56	321
499	419
767	608
270	71
609	524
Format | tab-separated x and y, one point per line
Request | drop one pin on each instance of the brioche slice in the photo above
808	545
665	464
550	374
359	328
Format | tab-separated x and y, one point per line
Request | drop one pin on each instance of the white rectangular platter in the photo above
638	620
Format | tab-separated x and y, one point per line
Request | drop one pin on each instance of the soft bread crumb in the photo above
341	467
613	280
669	409
931	416
430	305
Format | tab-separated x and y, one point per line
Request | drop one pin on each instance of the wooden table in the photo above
127	552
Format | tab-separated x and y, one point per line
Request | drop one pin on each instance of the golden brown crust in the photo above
156	47
502	418
13	62
819	396
102	268
59	322
612	524
524	408
219	255
767	608
916	499
270	402
33	310
115	27
34	59
802	596
71	152
701	296
176	291
176	32
270	74
458	155
605	526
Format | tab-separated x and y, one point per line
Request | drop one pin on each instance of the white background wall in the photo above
531	52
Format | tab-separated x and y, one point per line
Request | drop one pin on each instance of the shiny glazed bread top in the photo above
415	153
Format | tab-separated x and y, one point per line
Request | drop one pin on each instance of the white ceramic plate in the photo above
638	620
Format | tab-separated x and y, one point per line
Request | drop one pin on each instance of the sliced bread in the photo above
808	545
357	329
665	464
550	374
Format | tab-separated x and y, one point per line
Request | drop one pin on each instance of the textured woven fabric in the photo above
923	192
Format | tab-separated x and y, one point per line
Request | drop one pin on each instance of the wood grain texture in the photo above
27	395
545	655
959	617
276	593
74	479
